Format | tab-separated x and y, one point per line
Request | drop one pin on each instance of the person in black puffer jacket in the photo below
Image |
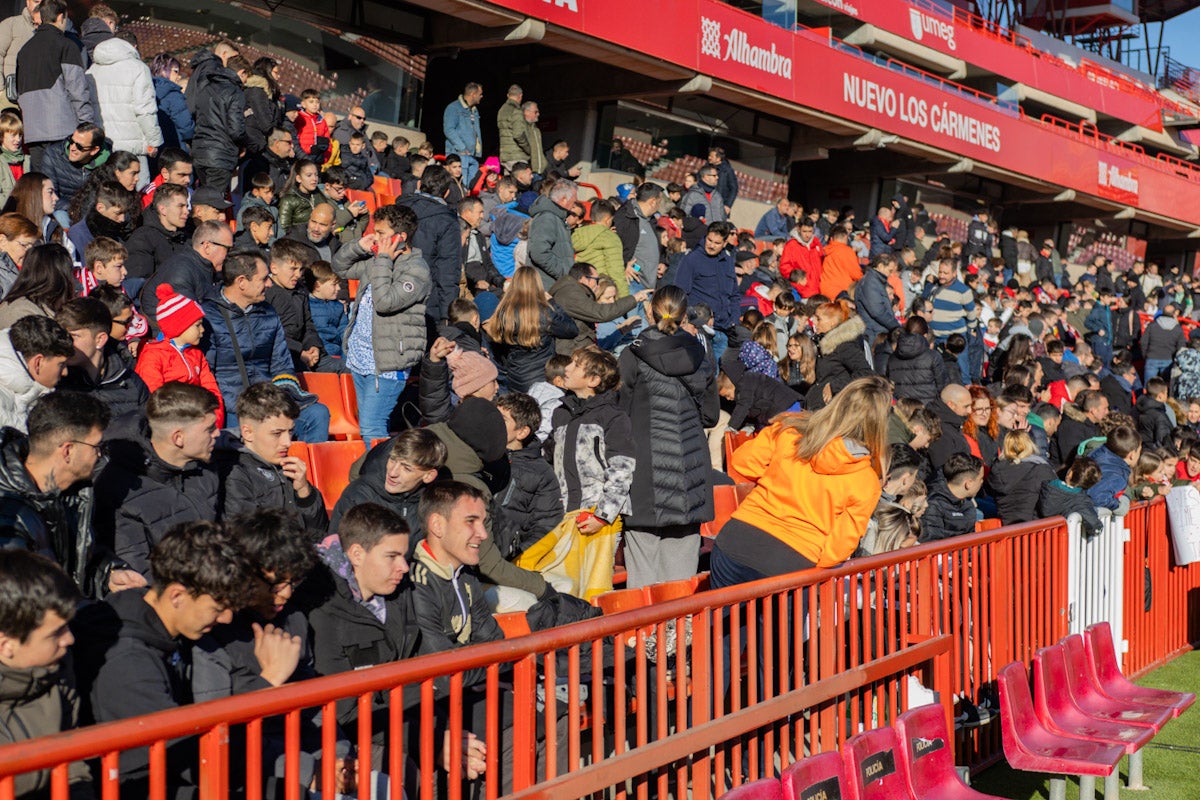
914	369
220	126
263	112
1017	477
520	351
415	457
668	384
156	479
438	240
841	353
531	501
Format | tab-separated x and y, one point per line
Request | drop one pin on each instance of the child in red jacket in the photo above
177	357
312	129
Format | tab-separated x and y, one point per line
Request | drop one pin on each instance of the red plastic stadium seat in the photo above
349	397
354	195
872	772
327	386
927	757
1057	710
1103	663
514	624
1031	747
734	440
671	590
620	600
766	789
1089	698
352	288
817	776
380	184
300	451
331	462
726	499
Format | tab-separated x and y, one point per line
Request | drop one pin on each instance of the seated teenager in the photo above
413	461
261	474
134	655
37	601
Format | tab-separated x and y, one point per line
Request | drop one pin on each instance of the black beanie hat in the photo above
480	424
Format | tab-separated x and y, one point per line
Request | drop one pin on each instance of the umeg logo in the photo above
923	23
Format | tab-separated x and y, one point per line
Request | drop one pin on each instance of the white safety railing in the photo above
1095	574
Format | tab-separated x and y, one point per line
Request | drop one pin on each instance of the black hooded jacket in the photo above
668	383
915	370
531	501
151	245
439	241
1016	487
1152	421
117	386
369	487
139	497
220	120
248	483
129	666
952	439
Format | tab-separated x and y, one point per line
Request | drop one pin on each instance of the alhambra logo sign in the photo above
736	46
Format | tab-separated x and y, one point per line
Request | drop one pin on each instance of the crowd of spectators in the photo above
175	251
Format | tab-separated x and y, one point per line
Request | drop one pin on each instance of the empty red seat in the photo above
327	386
927	756
726	499
734	440
872	772
1057	710
766	789
513	624
330	469
1102	658
670	590
619	600
1089	698
1030	746
816	776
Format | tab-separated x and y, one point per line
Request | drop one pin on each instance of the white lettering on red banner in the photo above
848	9
939	118
739	50
1116	183
923	23
569	5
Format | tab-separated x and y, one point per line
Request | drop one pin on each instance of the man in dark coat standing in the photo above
220	137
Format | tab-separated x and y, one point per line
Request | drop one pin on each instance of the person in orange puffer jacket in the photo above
840	268
818	477
177	356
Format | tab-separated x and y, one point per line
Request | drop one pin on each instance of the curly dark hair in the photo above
206	558
277	542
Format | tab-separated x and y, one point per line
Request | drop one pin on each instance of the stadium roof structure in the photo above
1163	10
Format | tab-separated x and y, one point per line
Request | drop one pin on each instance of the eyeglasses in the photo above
83	148
279	586
124	322
101	449
357	116
227	247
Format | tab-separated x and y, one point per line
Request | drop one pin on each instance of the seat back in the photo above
331	462
820	777
671	590
354	195
513	624
987	525
926	750
766	789
327	386
349	397
1017	716
1098	643
300	450
1051	689
726	499
872	771
734	440
1081	677
380	184
352	289
619	600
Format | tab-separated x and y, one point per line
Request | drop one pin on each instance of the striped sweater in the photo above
953	310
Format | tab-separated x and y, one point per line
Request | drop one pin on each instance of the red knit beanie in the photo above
175	312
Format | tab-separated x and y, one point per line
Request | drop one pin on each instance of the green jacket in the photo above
601	247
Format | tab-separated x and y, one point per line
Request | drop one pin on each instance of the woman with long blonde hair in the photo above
818	476
523	329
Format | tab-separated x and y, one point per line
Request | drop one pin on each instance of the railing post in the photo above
214	763
525	722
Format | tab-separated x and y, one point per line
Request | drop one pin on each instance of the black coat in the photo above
946	515
668	383
128	665
1162	339
759	399
1056	499
248	484
274	166
369	487
916	370
296	316
1074	429
1152	421
139	497
532	500
1016	487
952	439
262	115
440	243
1119	399
525	366
188	273
151	245
220	121
841	357
117	386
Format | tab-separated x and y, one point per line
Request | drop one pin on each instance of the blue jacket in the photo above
1100	320
329	317
1114	479
711	280
773	225
174	119
882	237
461	126
260	337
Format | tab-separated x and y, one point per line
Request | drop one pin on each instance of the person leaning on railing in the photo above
818	476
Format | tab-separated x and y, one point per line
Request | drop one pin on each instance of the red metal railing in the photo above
751	684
